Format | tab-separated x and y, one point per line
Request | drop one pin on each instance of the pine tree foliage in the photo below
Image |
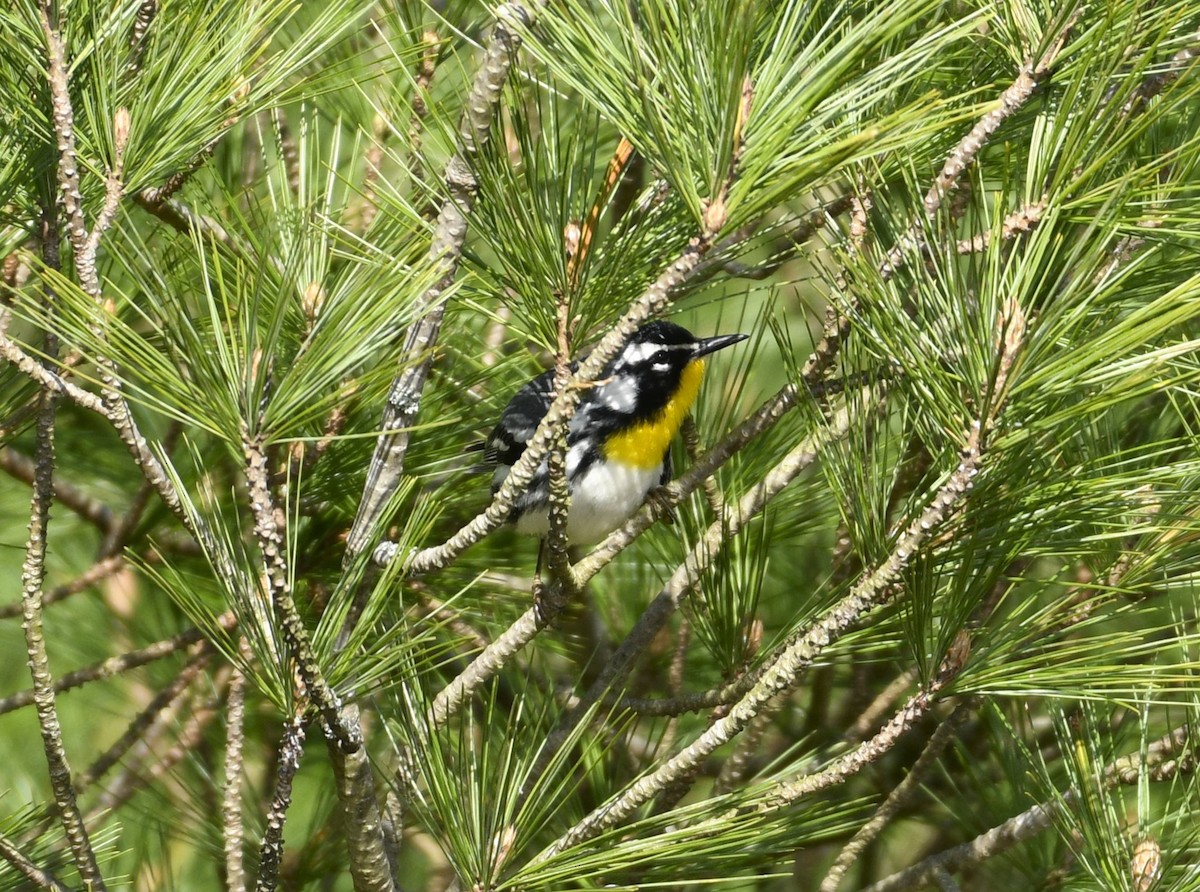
923	609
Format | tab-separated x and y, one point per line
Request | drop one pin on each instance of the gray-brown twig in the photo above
896	799
1165	758
445	251
291	748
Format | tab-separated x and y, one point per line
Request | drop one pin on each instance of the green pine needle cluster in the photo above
927	617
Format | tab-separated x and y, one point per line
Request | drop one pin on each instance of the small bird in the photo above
618	441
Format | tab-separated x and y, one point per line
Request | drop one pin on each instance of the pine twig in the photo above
551	598
1165	759
21	467
1020	221
140	773
142	20
963	155
1155	83
112	666
272	546
85	244
291	748
788	792
445	250
896	800
232	829
427	68
137	729
42	694
33	568
99	571
786	245
43	879
879	707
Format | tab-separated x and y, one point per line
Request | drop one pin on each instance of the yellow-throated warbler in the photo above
619	440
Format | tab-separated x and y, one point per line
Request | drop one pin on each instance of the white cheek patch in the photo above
620	394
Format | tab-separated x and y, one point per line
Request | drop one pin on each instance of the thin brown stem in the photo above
272	546
1164	760
98	572
232	829
291	749
41	878
112	666
896	800
21	467
163	700
427	67
445	251
146	769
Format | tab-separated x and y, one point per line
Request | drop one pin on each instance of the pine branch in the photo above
149	767
1165	759
272	546
788	792
897	799
445	250
33	572
98	572
232	829
21	467
420	104
370	863
963	155
291	748
113	665
43	879
138	728
142	20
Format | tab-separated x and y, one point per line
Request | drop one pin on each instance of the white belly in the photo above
604	498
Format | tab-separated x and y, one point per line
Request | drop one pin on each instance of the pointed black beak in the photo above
706	346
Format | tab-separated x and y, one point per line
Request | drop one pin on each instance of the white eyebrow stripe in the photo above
642	352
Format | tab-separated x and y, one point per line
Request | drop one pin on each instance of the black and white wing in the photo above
518	422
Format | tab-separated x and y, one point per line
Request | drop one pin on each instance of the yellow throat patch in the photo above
645	444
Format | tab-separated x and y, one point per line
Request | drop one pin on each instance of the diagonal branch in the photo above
1167	757
445	250
112	666
43	879
274	554
896	799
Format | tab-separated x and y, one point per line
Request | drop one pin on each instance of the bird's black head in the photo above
648	371
660	348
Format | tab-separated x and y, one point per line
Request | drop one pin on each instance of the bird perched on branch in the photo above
619	439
